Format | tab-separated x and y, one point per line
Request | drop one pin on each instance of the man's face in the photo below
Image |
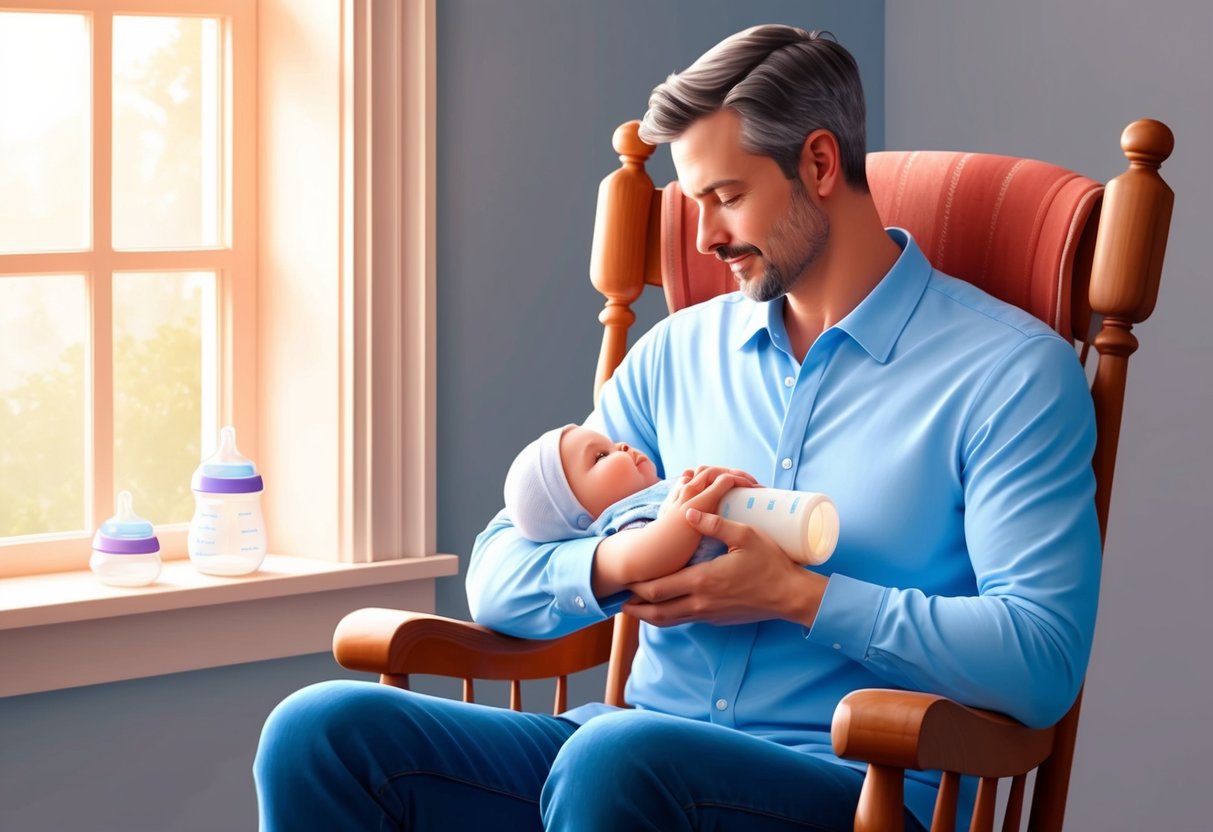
764	226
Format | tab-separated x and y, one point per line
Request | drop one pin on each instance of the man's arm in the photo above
532	590
755	581
545	590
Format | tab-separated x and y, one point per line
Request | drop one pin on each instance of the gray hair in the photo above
784	83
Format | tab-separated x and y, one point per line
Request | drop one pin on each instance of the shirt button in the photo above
789	381
579	601
721	704
787	463
837	646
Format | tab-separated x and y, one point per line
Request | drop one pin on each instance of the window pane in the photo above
166	132
45	169
43	326
164	387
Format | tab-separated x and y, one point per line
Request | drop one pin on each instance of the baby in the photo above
574	482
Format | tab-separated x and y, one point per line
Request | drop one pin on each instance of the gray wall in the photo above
1058	80
168	754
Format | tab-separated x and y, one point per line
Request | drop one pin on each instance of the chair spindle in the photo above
1010	820
944	819
469	692
562	695
515	695
983	809
617	255
396	680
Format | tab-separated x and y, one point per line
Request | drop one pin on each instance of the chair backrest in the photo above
1050	241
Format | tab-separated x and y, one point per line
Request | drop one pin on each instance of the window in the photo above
127	263
329	378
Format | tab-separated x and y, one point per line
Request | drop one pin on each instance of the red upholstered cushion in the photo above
1011	226
688	276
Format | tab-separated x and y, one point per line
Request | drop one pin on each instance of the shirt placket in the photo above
727	683
801	387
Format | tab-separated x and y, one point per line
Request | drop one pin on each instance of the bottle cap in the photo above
126	533
226	471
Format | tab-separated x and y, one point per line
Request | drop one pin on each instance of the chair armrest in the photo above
905	729
397	642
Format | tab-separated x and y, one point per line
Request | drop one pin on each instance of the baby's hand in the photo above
704	487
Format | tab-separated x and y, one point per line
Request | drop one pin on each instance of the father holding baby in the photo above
953	432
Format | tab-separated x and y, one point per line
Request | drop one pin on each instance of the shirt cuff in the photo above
847	616
569	571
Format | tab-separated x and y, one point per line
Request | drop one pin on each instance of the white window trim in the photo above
354	476
391	322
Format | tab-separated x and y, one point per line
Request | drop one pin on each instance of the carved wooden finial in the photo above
1147	142
629	145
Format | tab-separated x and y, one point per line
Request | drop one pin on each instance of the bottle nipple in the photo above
227	462
226	471
125	524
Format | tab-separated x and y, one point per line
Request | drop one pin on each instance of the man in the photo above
953	432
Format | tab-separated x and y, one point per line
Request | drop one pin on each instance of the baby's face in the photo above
600	471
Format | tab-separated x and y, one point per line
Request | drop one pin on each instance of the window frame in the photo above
66	628
233	261
378	497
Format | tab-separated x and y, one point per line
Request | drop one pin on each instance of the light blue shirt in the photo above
954	433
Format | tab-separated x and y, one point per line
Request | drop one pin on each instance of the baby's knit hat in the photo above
538	496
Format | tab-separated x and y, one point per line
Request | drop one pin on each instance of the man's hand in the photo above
754	581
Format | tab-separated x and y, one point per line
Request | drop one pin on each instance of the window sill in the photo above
66	629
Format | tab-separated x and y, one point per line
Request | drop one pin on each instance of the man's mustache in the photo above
733	252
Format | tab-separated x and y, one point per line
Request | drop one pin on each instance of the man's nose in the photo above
710	234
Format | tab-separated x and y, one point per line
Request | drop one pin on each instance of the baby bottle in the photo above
227	534
125	549
803	523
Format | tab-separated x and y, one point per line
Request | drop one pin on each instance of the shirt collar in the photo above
879	319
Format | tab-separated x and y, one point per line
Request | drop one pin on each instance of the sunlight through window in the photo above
44	132
110	349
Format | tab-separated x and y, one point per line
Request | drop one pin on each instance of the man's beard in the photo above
796	240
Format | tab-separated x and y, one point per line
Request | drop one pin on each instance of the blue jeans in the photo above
362	756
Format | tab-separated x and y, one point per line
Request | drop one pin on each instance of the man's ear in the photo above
820	163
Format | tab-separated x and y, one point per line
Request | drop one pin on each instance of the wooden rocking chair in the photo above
1084	257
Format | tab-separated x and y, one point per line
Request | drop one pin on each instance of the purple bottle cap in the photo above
125	546
226	471
226	485
126	533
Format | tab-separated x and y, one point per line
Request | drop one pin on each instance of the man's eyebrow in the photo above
719	183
